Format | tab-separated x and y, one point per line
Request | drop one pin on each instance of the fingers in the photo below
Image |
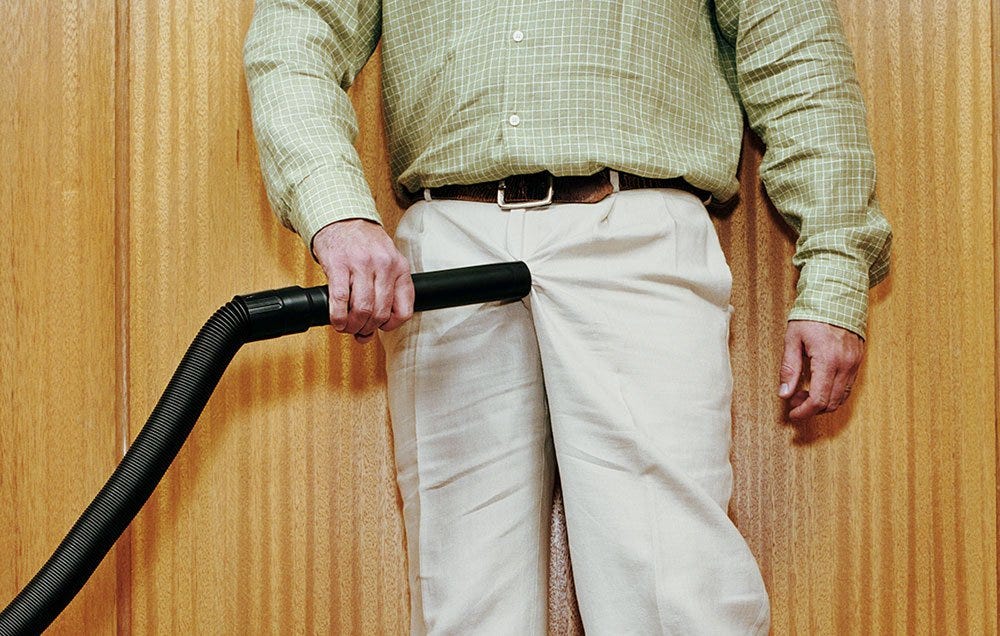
849	385
340	296
791	365
839	390
834	358
363	339
393	305
820	387
798	398
402	304
362	302
369	280
383	303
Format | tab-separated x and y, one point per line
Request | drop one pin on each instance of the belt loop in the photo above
427	194
613	177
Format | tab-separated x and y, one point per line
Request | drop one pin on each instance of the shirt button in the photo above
513	120
517	36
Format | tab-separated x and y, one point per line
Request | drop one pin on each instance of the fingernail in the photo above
783	389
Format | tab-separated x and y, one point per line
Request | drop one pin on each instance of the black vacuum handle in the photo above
289	310
470	285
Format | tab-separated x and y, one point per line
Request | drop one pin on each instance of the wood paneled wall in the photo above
58	363
280	515
882	518
133	207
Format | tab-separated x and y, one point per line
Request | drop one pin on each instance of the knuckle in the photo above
361	308
337	275
340	258
351	328
328	260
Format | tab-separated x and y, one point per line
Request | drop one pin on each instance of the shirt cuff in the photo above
834	292
329	195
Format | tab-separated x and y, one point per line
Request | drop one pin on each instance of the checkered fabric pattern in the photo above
481	89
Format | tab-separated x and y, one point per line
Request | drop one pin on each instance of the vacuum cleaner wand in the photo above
280	312
246	318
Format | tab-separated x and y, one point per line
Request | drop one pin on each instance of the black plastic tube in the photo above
138	473
246	318
471	285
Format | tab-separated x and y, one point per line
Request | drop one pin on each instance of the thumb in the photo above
791	365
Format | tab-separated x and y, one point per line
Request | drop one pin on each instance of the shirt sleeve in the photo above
794	75
300	56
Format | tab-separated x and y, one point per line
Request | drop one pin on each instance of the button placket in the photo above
516	15
514	119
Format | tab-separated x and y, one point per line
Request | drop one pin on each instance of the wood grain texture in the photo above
280	515
995	4
57	294
882	518
123	291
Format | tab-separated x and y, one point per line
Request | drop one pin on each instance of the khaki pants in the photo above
615	372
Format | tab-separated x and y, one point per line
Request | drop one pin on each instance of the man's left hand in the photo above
834	356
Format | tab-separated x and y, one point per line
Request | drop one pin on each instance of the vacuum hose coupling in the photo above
246	318
279	312
284	311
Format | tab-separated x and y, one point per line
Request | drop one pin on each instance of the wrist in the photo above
327	234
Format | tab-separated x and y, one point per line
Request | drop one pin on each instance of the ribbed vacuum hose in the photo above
246	318
133	481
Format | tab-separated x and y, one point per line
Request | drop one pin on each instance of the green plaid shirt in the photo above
477	90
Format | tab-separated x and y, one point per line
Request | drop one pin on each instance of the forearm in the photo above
300	57
795	78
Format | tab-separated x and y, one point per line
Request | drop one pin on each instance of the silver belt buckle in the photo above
537	203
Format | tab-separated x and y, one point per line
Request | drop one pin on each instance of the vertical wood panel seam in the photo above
123	551
995	42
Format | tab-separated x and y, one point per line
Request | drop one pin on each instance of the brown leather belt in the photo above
542	188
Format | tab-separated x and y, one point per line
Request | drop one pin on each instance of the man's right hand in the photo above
369	280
